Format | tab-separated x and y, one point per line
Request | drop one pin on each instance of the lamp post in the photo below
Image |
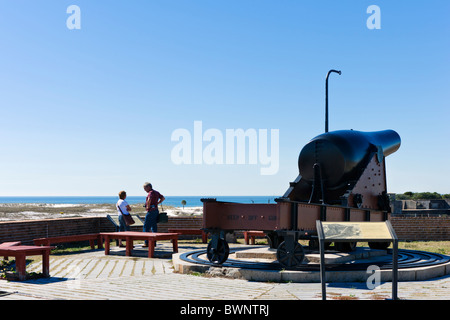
326	97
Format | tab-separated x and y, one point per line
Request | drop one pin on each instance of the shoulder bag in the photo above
127	217
162	216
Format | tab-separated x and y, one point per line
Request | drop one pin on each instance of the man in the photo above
154	198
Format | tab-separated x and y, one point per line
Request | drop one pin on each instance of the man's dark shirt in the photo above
154	197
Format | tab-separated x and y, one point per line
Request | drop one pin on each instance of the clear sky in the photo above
91	111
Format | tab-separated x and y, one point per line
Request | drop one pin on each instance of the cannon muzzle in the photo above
341	153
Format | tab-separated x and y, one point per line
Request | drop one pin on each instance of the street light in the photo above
326	97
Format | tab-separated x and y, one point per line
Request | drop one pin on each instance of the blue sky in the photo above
91	111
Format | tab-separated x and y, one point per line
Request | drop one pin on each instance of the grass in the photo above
441	247
8	272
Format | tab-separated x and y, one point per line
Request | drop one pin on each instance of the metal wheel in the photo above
218	254
345	246
379	245
290	255
274	239
314	244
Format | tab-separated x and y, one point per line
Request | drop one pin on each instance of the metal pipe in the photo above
326	97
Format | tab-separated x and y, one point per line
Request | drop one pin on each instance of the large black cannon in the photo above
332	163
342	177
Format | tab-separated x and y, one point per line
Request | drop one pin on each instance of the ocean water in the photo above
175	201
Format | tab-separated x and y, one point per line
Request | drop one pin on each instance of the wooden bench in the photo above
191	232
130	236
252	234
72	238
9	244
20	252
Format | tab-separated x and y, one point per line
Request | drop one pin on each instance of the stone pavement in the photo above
93	276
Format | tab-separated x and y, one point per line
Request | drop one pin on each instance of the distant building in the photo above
435	207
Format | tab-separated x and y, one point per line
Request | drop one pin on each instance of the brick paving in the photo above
94	276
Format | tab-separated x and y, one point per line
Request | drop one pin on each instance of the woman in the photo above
123	208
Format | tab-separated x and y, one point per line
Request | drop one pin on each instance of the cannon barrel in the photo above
342	153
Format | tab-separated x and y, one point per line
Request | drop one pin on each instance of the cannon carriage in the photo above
342	177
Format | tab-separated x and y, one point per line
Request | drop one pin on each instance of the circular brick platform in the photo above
266	268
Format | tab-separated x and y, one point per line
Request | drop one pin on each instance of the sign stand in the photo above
353	232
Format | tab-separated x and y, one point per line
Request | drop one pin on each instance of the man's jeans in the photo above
151	222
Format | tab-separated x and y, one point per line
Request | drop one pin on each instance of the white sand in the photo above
17	211
187	211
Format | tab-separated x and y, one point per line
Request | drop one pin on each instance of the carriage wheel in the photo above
379	245
290	257
314	245
345	246
220	254
274	239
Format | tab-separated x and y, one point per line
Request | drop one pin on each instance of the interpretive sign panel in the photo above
115	220
356	231
353	232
